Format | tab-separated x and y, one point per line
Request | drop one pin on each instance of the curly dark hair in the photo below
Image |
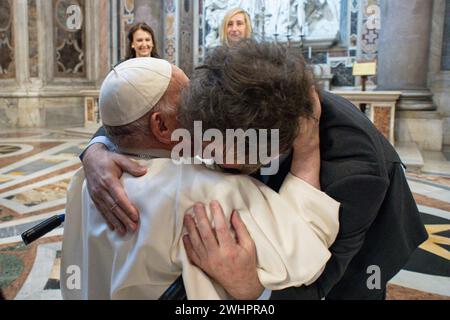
250	86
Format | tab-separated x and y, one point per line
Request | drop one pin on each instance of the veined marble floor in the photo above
36	167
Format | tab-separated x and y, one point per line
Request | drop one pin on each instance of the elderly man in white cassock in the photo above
139	101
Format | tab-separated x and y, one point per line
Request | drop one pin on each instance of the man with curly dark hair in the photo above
227	92
380	223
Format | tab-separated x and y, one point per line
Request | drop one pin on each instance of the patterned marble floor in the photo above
36	167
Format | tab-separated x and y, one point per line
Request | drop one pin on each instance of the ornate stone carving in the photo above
370	33
170	33
33	39
322	18
283	20
70	57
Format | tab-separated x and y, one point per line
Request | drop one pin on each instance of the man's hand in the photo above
103	170
306	156
232	263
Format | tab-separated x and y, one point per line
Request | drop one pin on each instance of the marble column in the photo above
186	37
103	27
439	66
404	50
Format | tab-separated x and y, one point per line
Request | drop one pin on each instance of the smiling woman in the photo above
141	42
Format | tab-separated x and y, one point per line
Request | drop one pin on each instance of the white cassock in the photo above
292	231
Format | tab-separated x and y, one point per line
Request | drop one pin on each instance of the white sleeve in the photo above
290	247
289	252
316	207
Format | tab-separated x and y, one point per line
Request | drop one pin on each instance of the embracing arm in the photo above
99	137
308	201
306	149
103	170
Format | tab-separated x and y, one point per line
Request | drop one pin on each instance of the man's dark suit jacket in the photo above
379	219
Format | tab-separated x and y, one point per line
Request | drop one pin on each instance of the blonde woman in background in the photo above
236	25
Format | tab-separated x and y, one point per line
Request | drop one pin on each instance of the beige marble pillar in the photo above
29	109
439	66
404	51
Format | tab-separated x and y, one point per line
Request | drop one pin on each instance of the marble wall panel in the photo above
170	31
445	64
437	40
8	113
30	113
382	120
69	38
61	111
446	131
370	33
33	50
127	19
186	37
422	127
7	63
370	29
105	43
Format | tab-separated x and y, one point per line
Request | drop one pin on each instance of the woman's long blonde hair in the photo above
228	16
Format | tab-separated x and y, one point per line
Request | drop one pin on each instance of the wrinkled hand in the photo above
306	154
103	170
232	263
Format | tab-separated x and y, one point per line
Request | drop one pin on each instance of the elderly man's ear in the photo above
162	125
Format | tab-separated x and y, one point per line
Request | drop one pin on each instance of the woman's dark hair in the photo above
141	26
250	86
